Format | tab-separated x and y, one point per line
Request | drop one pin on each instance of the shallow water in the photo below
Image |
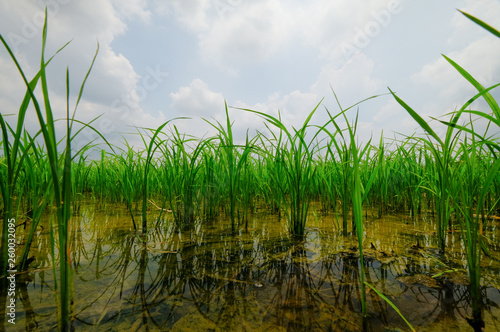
206	279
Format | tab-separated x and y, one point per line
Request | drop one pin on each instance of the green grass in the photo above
232	161
296	155
392	305
465	187
60	165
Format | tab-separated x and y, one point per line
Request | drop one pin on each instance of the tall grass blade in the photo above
392	305
481	24
487	96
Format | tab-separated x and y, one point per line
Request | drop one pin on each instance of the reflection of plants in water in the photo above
168	280
295	301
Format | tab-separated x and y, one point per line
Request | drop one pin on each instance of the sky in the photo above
160	60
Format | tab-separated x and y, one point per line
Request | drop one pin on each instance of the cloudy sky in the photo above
164	59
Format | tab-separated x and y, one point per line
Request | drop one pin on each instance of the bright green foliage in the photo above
59	169
232	161
182	167
295	160
391	304
462	179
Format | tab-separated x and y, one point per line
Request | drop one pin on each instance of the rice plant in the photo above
443	154
184	164
297	154
128	169
472	225
60	165
210	174
344	171
475	191
14	156
358	195
151	148
37	191
273	186
233	163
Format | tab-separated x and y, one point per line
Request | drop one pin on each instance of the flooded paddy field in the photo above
260	279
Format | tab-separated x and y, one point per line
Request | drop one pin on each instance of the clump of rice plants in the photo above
297	154
358	192
443	154
183	166
463	185
60	167
210	174
233	163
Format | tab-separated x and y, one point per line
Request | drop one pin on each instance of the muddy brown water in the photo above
206	279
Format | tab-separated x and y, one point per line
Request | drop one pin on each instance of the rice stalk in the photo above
299	169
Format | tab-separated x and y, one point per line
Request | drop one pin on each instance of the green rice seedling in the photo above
403	169
357	207
470	199
233	163
101	176
272	171
299	169
344	148
211	200
470	223
472	190
369	168
392	305
14	155
187	159
326	183
443	154
412	161
171	180
382	190
344	175
128	173
12	166
475	191
80	175
38	194
245	184
359	192
60	169
154	143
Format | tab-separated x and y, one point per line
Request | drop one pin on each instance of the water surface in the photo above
207	279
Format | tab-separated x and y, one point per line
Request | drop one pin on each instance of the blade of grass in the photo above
392	305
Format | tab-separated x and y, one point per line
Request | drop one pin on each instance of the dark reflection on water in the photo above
207	279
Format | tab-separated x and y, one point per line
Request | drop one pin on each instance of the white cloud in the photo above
392	115
192	14
113	77
245	38
197	100
327	27
352	82
451	90
251	33
130	9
